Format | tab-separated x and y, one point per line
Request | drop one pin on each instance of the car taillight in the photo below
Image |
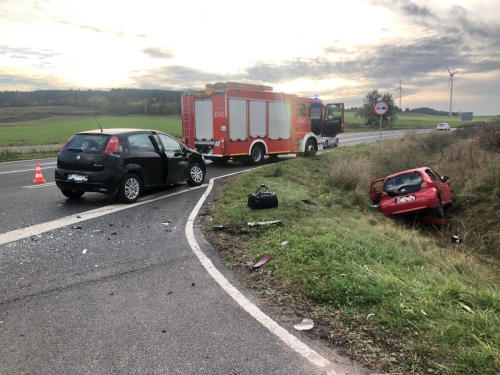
64	145
112	145
427	185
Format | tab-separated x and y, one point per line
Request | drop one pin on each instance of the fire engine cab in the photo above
244	122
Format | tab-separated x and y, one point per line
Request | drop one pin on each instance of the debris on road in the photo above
263	259
76	227
305	325
84	251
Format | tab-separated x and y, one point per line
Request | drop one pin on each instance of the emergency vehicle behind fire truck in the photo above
244	122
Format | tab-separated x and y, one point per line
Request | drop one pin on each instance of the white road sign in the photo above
381	108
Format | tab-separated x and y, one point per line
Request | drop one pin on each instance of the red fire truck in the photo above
244	122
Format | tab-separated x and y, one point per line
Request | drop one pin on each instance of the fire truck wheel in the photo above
311	148
257	155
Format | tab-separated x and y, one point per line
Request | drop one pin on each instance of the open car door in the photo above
334	120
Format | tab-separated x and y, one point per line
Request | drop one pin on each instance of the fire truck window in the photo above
314	111
301	110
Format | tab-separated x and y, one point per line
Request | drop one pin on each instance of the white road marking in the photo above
35	230
289	339
28	170
39	185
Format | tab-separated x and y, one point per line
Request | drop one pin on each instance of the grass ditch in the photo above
396	296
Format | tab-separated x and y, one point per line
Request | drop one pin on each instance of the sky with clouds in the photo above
339	50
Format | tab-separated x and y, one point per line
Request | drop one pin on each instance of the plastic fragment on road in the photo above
305	325
263	260
84	251
308	201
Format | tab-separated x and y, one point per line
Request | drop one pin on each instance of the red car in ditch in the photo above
414	190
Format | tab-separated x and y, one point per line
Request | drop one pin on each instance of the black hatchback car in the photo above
124	162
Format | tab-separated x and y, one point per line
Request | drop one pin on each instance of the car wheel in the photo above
311	148
439	210
130	190
72	194
256	156
325	144
196	175
336	143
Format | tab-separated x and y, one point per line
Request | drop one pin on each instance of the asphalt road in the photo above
96	287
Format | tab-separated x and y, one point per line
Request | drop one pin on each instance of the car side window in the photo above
170	144
140	142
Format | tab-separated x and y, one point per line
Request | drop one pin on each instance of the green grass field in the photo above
57	129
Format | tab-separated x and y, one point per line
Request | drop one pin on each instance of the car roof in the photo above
421	169
116	131
443	123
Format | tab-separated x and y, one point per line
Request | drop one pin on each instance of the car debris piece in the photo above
305	325
263	259
308	201
436	221
84	251
284	243
249	224
456	239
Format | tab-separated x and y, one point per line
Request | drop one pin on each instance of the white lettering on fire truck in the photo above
219	114
301	120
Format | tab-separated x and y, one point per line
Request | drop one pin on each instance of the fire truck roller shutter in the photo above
280	118
257	119
238	119
204	121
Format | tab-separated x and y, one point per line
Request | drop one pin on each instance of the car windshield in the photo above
412	179
88	142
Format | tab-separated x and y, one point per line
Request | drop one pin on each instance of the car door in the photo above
177	159
443	188
145	154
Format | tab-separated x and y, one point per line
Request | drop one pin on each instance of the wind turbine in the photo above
451	89
400	90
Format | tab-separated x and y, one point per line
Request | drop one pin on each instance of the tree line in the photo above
112	102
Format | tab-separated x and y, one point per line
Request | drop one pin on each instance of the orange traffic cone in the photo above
38	176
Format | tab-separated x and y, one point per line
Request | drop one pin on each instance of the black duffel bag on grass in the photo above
262	199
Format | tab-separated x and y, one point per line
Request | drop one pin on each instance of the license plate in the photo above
77	177
406	199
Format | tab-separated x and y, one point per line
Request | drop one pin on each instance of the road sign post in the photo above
381	108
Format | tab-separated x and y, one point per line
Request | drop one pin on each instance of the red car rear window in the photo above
393	184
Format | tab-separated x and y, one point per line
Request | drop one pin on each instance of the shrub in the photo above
488	137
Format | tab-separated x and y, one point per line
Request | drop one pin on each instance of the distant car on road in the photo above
124	162
414	190
443	126
330	141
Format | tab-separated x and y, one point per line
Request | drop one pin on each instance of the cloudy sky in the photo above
337	49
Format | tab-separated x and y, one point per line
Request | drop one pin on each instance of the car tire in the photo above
72	194
130	189
439	210
256	155
196	175
325	145
311	148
